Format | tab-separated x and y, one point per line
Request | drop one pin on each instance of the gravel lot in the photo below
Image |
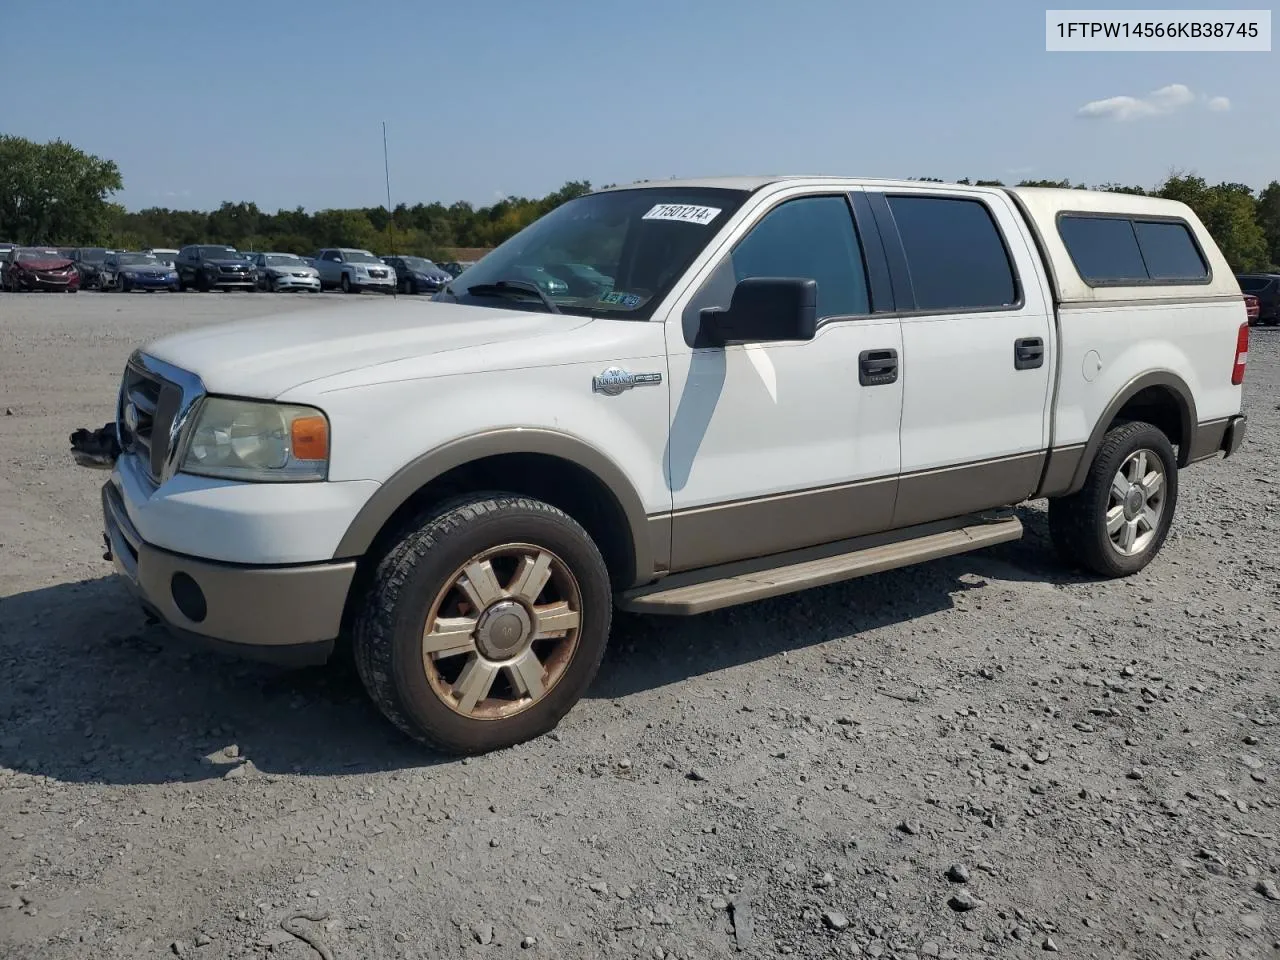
987	755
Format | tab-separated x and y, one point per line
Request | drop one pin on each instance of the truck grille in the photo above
152	410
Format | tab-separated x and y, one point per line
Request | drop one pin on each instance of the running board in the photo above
714	594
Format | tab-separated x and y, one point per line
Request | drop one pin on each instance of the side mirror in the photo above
763	309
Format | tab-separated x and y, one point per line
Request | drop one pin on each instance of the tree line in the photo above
53	193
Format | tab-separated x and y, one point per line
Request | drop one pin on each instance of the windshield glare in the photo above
285	260
135	258
616	253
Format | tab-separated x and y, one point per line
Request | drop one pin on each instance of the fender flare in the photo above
416	474
1186	414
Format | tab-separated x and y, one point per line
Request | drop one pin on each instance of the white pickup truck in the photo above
781	382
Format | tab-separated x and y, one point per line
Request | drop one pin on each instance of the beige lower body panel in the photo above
955	491
694	598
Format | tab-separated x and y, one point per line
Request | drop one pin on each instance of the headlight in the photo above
250	440
361	268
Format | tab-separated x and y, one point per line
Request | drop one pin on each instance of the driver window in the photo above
809	237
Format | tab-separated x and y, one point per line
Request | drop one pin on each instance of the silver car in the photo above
354	270
279	272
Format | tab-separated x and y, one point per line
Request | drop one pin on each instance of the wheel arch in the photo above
560	469
1161	398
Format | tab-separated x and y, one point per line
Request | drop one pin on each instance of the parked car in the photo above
88	262
354	271
279	272
1251	308
730	422
40	268
1266	287
207	266
417	274
125	271
165	255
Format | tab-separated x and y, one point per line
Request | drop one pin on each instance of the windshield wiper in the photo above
503	288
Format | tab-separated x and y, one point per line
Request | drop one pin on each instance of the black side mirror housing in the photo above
763	310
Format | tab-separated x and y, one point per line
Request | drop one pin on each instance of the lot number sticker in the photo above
683	212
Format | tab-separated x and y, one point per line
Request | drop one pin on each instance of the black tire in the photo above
123	284
388	628
202	282
1078	523
346	284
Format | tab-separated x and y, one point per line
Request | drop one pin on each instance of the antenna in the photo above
391	215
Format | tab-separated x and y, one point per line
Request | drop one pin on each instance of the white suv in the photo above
779	383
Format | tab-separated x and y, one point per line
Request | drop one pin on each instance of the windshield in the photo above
228	253
39	255
418	263
284	260
135	258
360	256
93	254
617	252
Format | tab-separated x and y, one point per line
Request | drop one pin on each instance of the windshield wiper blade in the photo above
503	287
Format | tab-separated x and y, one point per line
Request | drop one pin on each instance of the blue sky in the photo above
282	103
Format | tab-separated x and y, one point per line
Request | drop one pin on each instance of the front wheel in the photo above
1115	525
346	283
484	624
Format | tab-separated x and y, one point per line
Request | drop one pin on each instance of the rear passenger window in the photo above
955	254
813	238
1125	251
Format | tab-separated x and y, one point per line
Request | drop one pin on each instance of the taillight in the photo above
1242	355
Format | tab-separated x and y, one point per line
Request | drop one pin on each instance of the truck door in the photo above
978	350
776	446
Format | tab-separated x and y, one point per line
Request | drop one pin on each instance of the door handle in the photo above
877	367
1028	353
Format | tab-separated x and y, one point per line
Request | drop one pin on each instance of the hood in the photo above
266	357
45	263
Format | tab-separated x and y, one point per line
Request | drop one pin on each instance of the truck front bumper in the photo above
283	614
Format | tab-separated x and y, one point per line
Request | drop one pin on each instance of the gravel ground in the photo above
982	756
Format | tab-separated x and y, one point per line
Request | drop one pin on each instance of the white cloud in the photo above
1168	99
1219	104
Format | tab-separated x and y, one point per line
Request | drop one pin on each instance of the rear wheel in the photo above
484	624
1115	525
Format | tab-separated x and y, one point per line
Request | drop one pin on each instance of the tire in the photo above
202	282
418	578
123	284
346	284
1078	524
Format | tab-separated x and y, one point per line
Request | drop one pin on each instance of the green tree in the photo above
53	192
1229	213
1269	221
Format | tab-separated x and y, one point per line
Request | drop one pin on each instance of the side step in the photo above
714	594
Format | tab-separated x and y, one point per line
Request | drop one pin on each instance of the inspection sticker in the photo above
683	212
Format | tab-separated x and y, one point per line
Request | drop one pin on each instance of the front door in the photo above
978	351
777	446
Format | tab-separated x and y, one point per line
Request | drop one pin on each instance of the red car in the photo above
31	268
1251	309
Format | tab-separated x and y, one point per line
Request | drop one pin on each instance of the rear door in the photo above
978	351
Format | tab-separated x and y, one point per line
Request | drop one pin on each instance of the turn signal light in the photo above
309	437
